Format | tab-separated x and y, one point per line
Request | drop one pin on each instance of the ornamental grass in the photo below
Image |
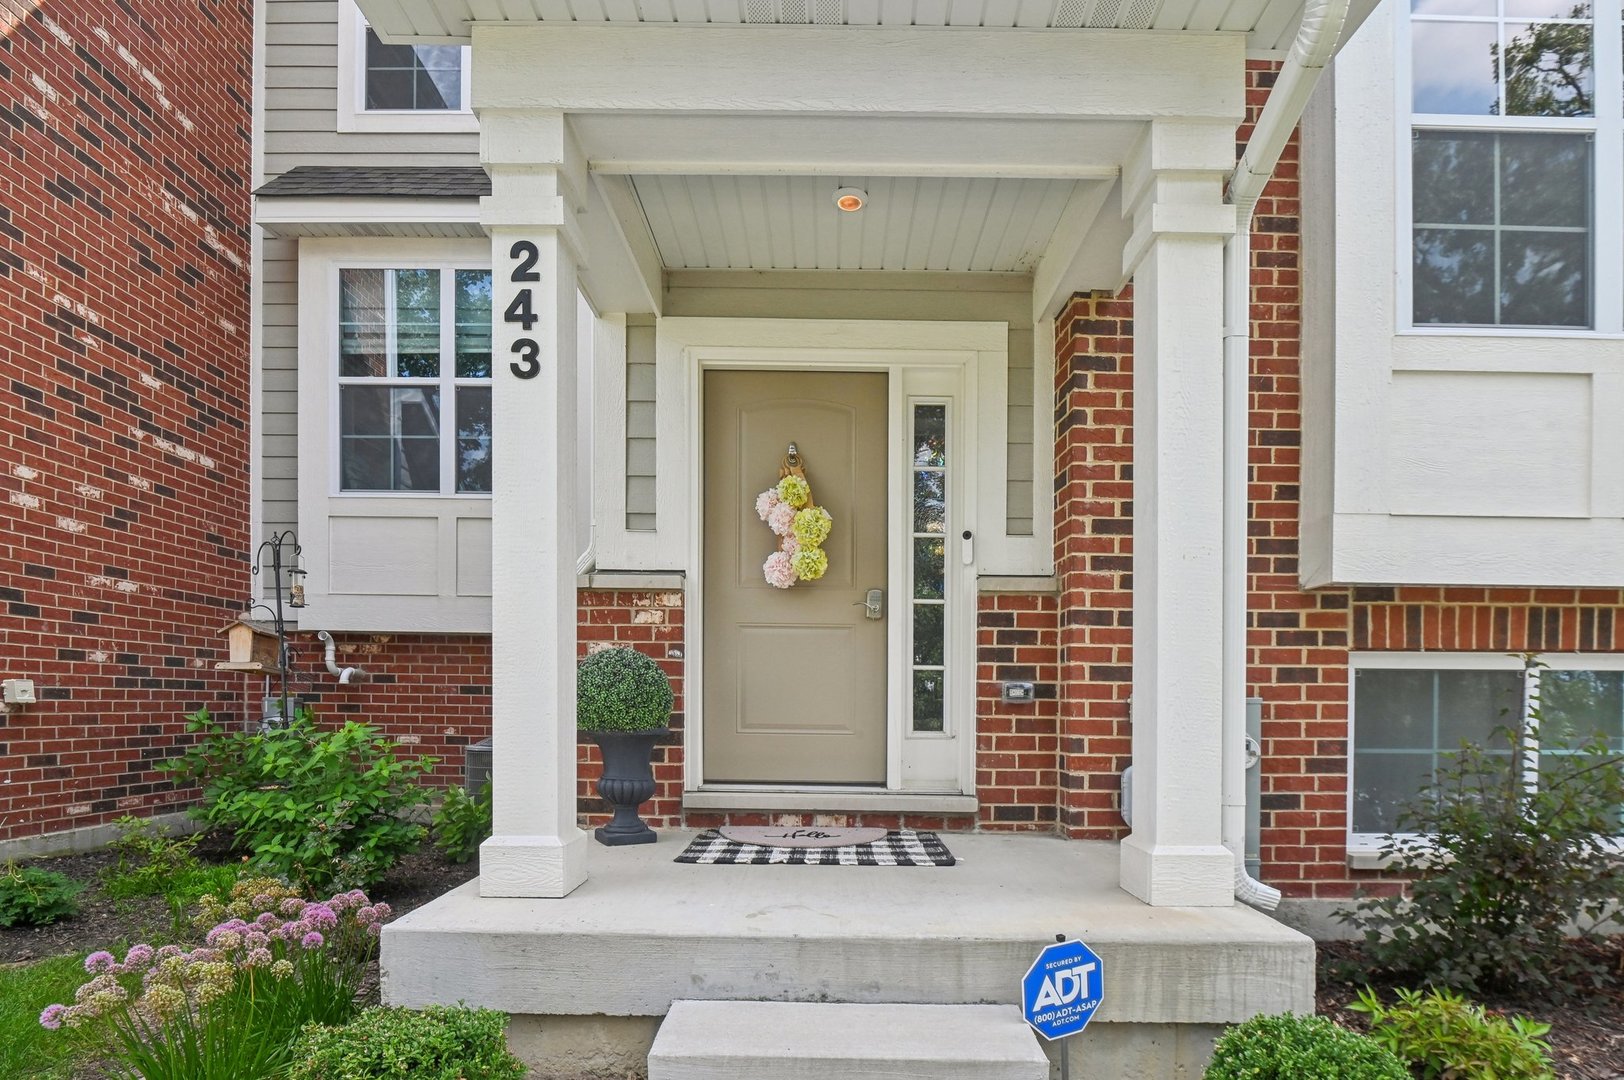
231	1008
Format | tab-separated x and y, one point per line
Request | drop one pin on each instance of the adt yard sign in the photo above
1062	989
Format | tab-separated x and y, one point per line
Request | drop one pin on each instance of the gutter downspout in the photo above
1317	39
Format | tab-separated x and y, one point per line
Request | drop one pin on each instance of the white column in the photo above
1172	190
537	849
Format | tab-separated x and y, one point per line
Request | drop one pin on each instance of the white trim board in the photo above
354	117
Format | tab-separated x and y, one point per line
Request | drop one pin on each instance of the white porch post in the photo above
536	849
1172	189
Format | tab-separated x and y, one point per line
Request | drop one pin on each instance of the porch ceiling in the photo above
1268	24
909	223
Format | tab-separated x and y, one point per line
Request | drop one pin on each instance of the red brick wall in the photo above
124	254
1017	743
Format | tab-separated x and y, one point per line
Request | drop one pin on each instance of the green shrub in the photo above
439	1043
1292	1047
1504	870
462	823
322	808
149	862
1450	1038
30	896
621	690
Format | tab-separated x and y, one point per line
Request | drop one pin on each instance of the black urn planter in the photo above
627	782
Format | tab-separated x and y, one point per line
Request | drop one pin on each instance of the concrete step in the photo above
773	1040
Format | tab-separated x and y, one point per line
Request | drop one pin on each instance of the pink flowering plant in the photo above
231	1008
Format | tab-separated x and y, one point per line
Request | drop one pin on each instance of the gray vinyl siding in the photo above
301	128
641	448
886	295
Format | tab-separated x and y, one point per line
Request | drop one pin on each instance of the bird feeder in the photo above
252	647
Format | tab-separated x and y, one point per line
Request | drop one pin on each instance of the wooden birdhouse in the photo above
251	645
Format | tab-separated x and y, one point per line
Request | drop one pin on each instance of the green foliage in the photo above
1504	869
30	896
1450	1038
1289	1047
322	808
462	823
149	861
439	1043
621	690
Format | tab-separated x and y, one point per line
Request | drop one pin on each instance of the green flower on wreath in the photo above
794	490
811	526
809	563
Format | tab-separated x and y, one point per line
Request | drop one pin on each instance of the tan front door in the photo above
794	679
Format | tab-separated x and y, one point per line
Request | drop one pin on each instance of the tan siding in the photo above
889	295
301	102
280	401
641	449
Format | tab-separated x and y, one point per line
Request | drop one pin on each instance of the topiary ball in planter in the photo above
622	702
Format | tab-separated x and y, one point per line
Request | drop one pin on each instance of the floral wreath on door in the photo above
800	524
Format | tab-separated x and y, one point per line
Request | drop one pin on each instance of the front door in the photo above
794	679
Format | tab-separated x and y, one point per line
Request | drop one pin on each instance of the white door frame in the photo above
953	350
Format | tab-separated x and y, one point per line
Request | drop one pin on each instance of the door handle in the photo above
873	603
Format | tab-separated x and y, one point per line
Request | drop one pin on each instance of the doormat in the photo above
790	836
903	848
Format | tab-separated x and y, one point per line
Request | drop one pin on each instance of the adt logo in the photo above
1062	988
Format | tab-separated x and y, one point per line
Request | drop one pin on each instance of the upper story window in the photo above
1516	166
384	87
414	380
1411	712
415	77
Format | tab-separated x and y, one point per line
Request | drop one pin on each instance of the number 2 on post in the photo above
522	309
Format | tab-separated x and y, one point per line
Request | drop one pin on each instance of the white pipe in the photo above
344	674
1317	39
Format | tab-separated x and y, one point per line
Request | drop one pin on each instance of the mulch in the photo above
103	923
1587	1037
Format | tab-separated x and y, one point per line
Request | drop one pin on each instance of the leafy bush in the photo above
1503	869
230	1009
149	862
30	896
1292	1047
621	690
323	808
462	823
439	1043
1450	1038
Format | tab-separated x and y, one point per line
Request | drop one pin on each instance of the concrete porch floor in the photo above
644	931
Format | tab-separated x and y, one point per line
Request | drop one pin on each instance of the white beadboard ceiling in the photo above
1268	24
909	223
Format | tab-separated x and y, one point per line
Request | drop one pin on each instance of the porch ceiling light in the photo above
850	199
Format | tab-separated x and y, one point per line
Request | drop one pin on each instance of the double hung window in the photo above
1516	155
414	380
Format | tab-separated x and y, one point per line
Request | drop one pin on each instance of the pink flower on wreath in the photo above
778	571
782	519
766	502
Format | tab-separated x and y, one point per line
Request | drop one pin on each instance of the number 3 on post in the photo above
522	310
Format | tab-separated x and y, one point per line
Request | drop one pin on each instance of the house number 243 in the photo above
523	311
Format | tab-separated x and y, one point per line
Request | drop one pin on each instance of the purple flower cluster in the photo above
173	980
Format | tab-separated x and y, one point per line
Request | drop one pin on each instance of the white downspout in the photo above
1317	39
344	674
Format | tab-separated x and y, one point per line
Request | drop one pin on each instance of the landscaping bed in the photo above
1587	1039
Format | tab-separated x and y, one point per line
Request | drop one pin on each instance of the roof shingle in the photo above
388	182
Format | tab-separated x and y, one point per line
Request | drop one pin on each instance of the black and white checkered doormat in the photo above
904	848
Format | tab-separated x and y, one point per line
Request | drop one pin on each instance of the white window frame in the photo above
1607	160
354	116
1365	849
447	382
438	586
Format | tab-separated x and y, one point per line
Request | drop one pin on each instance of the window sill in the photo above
426	122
